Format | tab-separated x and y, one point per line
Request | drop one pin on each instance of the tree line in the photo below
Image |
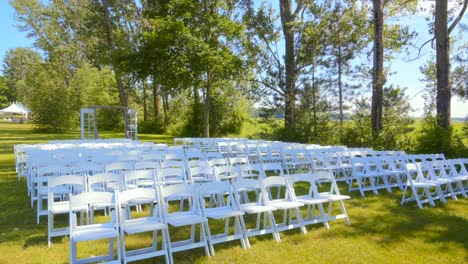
199	67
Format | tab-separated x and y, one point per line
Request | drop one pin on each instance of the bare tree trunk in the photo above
287	18
145	100
113	49
340	86
165	101
443	64
156	100
206	119
377	73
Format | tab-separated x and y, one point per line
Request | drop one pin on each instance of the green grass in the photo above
381	230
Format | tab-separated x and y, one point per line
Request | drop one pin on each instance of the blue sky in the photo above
407	74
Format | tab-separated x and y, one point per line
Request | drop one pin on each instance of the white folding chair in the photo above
258	206
186	215
88	232
225	208
310	199
332	194
286	202
154	223
40	189
59	188
416	181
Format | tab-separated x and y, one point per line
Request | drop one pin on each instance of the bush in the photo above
433	138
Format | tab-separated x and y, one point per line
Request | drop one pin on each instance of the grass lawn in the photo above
381	230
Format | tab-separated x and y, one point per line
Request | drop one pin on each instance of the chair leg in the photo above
343	211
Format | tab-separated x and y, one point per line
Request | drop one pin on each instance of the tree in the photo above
347	39
442	37
396	37
4	92
378	78
17	64
113	49
288	20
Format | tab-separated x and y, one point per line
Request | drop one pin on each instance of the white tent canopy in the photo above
16	108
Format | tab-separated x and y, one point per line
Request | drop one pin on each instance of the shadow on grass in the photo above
391	224
38	240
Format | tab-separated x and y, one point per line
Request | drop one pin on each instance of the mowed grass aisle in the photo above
381	230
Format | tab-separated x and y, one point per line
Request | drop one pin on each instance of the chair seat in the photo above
283	205
185	218
252	208
222	212
94	232
64	207
139	225
423	184
306	199
334	197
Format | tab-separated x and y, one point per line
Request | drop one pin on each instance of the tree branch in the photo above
459	17
420	48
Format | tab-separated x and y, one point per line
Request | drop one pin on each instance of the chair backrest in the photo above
137	194
173	164
146	165
167	176
118	167
272	169
194	154
177	191
88	200
155	156
217	162
87	168
305	179
179	156
213	155
91	198
66	184
105	182
197	174
132	178
222	190
225	172
278	182
251	171
326	176
196	163
141	195
239	160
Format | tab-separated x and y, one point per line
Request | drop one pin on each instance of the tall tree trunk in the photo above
377	73
340	86
443	64
145	100
156	100
165	102
206	119
287	20
113	50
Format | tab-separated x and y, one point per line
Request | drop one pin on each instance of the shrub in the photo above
433	138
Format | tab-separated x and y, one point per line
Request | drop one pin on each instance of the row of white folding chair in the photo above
59	188
229	207
369	175
330	161
420	176
106	181
415	158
